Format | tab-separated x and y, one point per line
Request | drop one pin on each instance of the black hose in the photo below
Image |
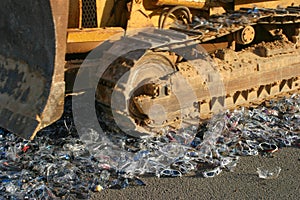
165	10
186	12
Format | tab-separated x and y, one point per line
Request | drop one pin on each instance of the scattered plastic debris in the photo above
169	173
268	173
212	173
59	164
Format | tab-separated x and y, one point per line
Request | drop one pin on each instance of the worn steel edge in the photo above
32	51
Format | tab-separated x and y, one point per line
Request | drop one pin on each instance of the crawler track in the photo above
223	80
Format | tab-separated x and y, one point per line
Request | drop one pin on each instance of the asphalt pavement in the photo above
242	183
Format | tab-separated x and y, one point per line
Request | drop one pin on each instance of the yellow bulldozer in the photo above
229	53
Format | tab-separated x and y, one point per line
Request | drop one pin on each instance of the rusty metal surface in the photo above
74	12
32	49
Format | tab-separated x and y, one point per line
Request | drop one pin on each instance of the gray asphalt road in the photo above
243	183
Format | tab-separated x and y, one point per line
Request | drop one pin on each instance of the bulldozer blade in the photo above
32	56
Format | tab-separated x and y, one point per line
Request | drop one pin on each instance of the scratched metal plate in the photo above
31	73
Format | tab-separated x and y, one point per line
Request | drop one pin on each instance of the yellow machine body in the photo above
36	37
